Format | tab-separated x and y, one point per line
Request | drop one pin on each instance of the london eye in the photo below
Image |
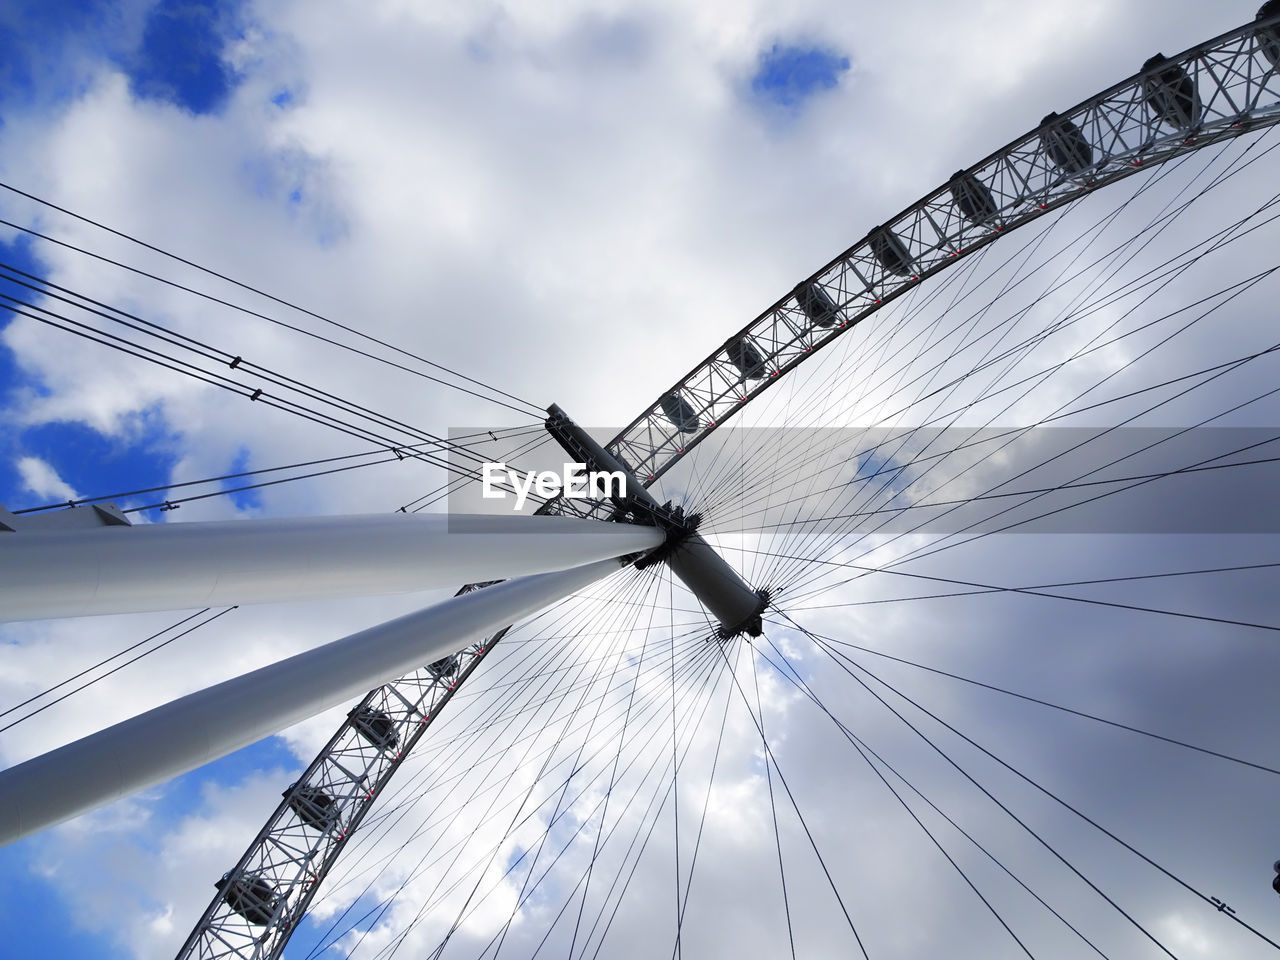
937	617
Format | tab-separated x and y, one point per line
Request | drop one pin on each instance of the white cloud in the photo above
574	202
43	480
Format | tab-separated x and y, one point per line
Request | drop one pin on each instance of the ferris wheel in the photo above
1067	340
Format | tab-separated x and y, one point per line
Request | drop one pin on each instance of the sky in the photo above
576	201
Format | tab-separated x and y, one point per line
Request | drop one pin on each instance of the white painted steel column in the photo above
179	566
210	723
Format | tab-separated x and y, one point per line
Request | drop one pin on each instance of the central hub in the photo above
719	589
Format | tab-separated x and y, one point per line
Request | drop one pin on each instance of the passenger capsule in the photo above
972	198
250	896
1170	93
375	726
816	304
743	354
313	806
680	412
1065	144
444	667
891	252
1269	37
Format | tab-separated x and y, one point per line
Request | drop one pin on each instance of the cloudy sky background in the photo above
575	202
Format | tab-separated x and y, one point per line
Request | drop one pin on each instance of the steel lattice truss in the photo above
268	892
1214	92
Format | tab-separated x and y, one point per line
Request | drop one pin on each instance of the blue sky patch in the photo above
180	59
38	38
49	926
184	795
246	500
12	378
89	461
96	464
788	75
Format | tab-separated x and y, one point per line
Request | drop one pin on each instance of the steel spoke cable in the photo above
443	814
1234	568
676	951
228	476
1032	592
770	758
222	357
518	817
834	655
1047	703
116	669
604	813
709	681
656	714
1194	320
618	823
1068	485
656	805
250	289
793	677
514	865
838	656
706	799
128	649
217	355
575	767
1001	433
773	809
534	681
706	659
258	394
1032	245
211	378
922	552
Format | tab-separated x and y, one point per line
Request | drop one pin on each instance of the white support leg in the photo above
75	572
210	723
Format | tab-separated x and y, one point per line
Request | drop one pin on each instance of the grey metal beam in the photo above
210	723
176	566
